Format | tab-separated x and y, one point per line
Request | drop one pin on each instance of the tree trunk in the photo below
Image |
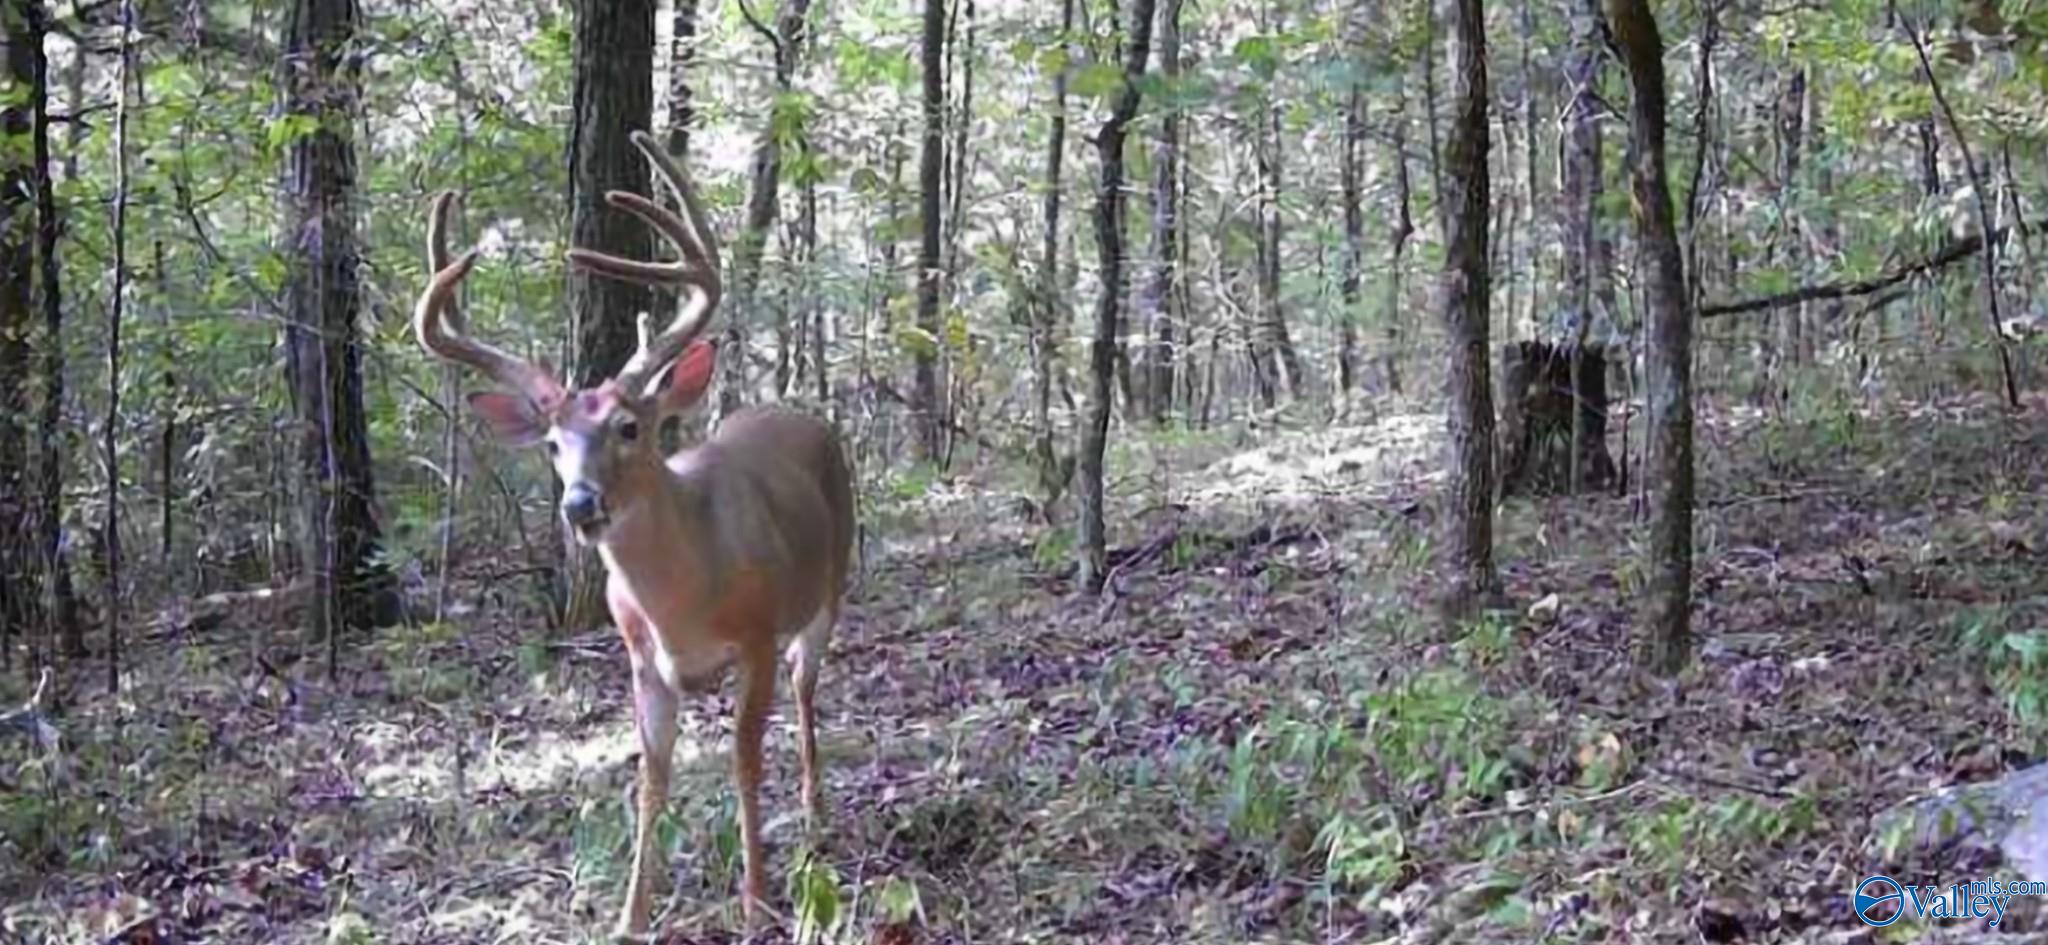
1397	242
20	585
1109	240
1580	174
1473	581
763	204
1352	183
1530	86
1157	302
322	298
1429	112
1272	321
613	97
110	425
49	518
682	110
1666	624
958	162
931	165
1054	471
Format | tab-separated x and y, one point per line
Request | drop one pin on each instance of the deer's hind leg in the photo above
806	653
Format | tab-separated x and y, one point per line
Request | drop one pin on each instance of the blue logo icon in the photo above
1872	894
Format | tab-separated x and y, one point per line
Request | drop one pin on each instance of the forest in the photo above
901	471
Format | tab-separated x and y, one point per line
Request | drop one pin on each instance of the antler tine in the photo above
439	325
447	204
697	269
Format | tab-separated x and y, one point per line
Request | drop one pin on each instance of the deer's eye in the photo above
630	430
554	448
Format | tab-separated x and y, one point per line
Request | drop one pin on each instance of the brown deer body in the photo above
721	557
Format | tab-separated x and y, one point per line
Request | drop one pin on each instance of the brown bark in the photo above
19	584
1397	242
63	610
1109	241
1352	183
613	97
1579	162
1156	304
322	298
1580	173
931	163
682	110
1469	494
1277	344
1666	635
1054	471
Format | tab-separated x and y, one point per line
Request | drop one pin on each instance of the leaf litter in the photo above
1258	733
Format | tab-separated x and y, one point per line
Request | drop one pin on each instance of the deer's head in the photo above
599	436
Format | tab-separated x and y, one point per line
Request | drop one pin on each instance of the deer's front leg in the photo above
757	693
654	712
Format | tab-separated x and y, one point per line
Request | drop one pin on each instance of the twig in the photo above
1714	780
754	20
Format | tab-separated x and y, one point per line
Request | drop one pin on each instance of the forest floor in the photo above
1260	733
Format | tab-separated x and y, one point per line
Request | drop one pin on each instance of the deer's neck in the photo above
662	544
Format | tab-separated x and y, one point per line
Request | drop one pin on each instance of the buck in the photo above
717	557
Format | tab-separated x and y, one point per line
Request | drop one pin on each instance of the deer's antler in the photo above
697	270
443	330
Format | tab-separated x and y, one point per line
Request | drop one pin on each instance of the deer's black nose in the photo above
582	505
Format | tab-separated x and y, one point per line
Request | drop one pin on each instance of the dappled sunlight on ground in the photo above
1301	466
1258	734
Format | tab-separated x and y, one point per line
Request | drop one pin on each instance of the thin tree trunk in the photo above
1397	242
960	165
110	427
1667	638
1429	112
167	464
1352	184
1054	471
19	606
1983	204
1109	238
956	384
1790	126
1580	174
1473	581
1530	86
930	178
786	40
1273	321
66	628
1157	302
682	111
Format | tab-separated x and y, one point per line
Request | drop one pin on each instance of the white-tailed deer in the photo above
719	556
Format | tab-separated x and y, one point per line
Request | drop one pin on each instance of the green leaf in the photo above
1260	53
1052	61
1097	80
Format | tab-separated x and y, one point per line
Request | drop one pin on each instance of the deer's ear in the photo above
689	377
512	418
